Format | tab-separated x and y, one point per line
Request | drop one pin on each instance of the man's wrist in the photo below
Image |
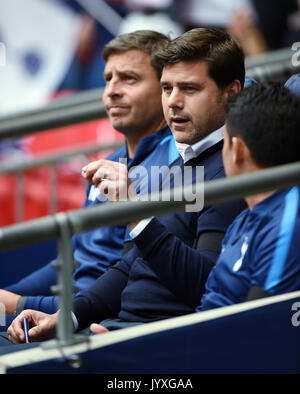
139	227
21	304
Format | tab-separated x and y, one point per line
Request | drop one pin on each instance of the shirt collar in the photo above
188	152
147	144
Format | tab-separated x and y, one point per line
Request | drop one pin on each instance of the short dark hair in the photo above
223	55
147	41
267	118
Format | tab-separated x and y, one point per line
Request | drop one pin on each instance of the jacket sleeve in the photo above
36	283
47	304
103	298
181	268
100	301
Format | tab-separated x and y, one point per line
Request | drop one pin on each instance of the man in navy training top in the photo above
260	252
132	98
164	275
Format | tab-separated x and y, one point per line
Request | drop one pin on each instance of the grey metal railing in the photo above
277	64
85	106
12	167
73	109
19	167
61	226
50	117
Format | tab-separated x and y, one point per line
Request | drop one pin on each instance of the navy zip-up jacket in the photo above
96	250
162	275
260	252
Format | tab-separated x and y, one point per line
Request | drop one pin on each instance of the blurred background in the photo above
53	47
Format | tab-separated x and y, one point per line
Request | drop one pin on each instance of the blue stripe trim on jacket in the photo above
284	239
173	151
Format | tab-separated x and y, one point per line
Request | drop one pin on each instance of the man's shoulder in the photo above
117	154
212	161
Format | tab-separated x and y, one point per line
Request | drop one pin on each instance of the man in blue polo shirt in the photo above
260	252
132	98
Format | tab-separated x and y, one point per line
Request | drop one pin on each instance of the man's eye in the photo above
130	78
166	89
189	89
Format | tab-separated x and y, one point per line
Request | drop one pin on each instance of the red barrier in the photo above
37	182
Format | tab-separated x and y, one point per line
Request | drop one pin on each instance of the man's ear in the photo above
239	150
241	156
232	89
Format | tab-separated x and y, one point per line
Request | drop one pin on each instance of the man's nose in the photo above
175	99
113	88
